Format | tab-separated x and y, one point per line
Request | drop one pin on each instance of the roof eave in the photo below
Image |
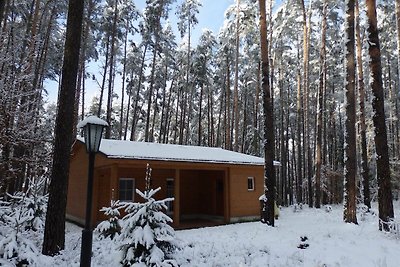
186	160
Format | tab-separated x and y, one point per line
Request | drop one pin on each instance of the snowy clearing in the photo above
330	243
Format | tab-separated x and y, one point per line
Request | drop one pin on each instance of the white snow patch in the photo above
92	120
331	242
169	152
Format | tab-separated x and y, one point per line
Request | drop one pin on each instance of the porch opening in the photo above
201	198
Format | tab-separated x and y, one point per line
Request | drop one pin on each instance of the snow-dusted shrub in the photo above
362	210
328	208
392	225
36	204
20	214
110	227
14	246
297	207
147	238
32	205
4	209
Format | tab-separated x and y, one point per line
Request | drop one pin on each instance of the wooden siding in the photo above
76	201
243	202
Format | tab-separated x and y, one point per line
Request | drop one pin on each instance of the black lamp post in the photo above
92	130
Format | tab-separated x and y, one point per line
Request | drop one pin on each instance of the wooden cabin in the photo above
210	185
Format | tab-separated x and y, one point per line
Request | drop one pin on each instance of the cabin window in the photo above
250	183
170	193
126	189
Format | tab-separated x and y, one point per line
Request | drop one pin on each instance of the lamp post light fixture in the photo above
92	131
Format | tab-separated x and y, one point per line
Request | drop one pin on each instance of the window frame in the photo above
253	186
133	189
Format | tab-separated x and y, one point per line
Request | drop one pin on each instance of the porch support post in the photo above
177	200
226	196
95	202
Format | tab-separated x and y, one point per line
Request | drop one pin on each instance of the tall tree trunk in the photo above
382	151
306	143
256	109
228	142
147	137
129	86
221	109
121	116
139	85
210	103
299	171
363	127
244	123
199	135
236	81
187	103
104	77
2	11
169	113
111	72
283	134
397	6
322	82
268	215
163	104
54	232
177	121
350	170
184	104
153	121
397	93
80	88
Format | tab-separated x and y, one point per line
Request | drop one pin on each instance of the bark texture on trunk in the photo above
363	127
382	151
269	138
322	82
54	233
350	170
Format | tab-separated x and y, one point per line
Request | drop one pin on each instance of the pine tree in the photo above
378	104
321	95
350	172
112	226
363	127
20	214
54	235
146	236
269	138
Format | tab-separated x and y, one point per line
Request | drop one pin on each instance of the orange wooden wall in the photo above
198	192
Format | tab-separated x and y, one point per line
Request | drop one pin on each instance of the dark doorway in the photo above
202	197
219	196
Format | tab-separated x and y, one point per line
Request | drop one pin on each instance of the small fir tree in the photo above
36	205
15	247
147	239
20	214
112	226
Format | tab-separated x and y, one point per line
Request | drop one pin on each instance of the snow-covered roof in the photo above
92	120
168	152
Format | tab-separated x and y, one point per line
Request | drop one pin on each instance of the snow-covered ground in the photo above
331	242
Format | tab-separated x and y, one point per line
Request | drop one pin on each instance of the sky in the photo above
211	16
